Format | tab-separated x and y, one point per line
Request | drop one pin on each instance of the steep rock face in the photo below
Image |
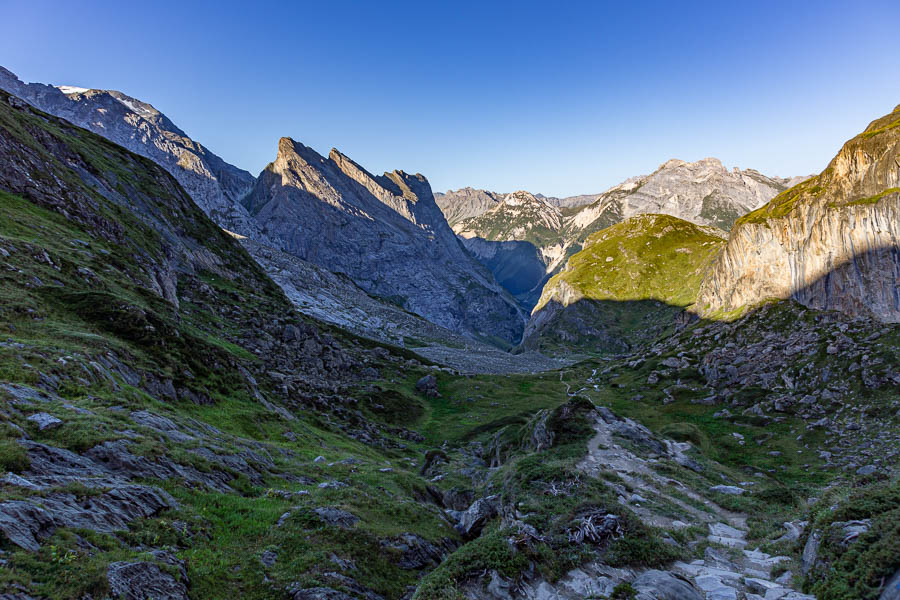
215	185
385	232
519	241
831	242
626	286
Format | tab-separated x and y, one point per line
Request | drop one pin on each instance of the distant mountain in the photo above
831	242
625	286
386	233
465	203
215	185
702	192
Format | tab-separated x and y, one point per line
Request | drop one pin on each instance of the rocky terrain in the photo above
384	232
219	189
625	288
830	242
465	203
173	426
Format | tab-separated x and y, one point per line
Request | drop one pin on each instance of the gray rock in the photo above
427	386
415	551
891	588
268	558
473	519
319	593
336	516
27	522
143	580
44	421
731	490
866	470
810	552
662	585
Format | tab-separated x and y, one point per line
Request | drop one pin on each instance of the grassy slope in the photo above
646	268
70	295
50	310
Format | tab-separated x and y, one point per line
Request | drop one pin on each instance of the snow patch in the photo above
71	89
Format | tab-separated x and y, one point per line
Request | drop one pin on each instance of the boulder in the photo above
662	585
473	519
336	516
44	421
415	551
428	386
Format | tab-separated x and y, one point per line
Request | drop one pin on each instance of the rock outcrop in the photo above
214	185
384	232
831	242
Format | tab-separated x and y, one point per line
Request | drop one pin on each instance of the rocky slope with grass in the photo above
172	427
218	189
627	286
831	242
384	232
216	186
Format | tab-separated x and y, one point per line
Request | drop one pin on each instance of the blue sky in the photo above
558	98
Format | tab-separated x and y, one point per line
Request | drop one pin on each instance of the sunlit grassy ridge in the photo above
647	257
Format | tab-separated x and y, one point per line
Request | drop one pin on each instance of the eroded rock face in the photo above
385	232
832	242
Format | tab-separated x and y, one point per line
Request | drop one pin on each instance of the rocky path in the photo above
729	570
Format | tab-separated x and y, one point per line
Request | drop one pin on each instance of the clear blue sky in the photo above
558	98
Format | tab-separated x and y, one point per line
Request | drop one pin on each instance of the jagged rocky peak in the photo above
830	242
385	232
214	185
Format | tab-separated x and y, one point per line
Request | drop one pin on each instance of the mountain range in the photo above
294	385
385	233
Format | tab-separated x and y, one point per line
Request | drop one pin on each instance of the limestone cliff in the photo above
831	242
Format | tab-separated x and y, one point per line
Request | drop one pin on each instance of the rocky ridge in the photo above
830	242
353	221
216	186
702	192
